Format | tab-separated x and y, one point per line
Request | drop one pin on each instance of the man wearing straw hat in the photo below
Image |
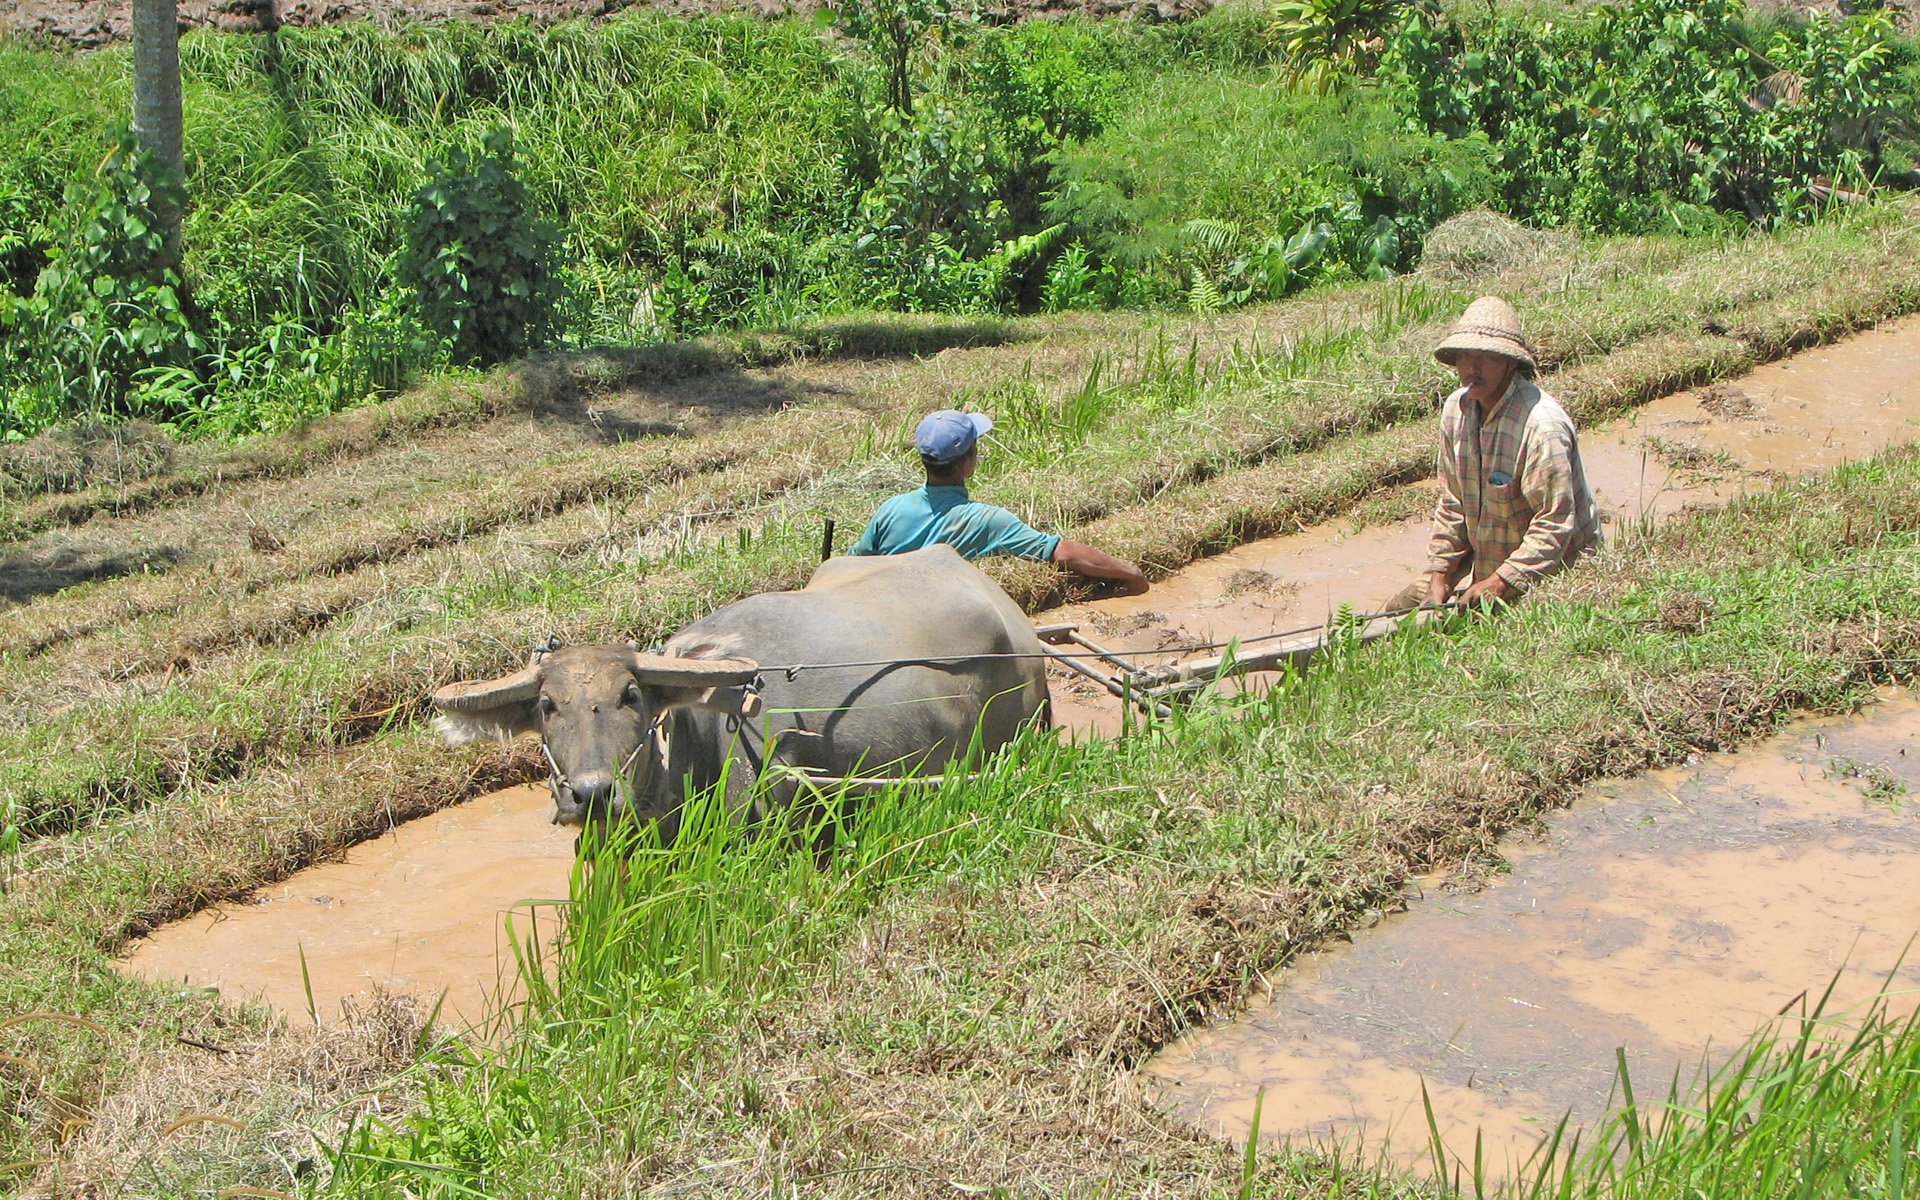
1514	502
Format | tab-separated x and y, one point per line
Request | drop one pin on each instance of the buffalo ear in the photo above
496	708
504	724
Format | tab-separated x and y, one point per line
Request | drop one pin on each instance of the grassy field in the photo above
248	703
1162	445
958	995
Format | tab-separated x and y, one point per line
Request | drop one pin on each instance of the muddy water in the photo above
422	909
1811	412
1671	916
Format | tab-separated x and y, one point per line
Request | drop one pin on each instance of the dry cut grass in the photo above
1268	440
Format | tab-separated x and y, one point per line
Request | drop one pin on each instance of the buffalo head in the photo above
599	711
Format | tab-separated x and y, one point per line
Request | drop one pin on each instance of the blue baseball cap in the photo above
947	435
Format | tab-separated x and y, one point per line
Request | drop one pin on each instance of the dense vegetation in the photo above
725	171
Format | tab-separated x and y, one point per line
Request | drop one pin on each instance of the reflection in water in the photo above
1671	916
422	909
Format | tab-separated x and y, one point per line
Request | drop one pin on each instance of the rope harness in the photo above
792	671
557	779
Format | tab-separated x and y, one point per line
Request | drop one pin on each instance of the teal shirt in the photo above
945	516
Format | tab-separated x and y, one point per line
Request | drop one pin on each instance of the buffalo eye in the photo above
547	706
631	695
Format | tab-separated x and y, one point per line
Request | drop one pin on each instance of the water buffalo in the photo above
664	721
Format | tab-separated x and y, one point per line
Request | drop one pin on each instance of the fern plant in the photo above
1227	268
1204	295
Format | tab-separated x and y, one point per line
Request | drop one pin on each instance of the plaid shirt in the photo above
1514	499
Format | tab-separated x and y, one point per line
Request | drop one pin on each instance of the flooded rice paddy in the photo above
1812	412
422	908
1669	916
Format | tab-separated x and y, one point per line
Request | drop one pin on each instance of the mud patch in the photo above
422	911
1728	401
1671	916
1830	405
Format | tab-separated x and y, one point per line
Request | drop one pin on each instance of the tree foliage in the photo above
107	310
1323	42
1655	113
481	263
894	31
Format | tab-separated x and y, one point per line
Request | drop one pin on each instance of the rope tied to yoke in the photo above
792	671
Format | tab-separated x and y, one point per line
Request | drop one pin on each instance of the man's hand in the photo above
1096	564
1491	591
1439	588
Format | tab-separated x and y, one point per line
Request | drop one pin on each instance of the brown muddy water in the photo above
422	908
1812	412
1670	916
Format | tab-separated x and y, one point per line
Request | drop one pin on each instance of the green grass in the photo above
736	1015
706	169
1254	437
304	147
722	170
1245	158
1818	1104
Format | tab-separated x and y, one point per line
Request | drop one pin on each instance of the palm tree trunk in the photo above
156	101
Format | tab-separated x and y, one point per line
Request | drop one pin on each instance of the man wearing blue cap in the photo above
941	513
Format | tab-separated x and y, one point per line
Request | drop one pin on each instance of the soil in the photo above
89	24
431	908
1669	916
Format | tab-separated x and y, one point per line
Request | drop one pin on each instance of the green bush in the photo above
720	171
1656	113
480	262
1217	190
895	33
108	314
1324	42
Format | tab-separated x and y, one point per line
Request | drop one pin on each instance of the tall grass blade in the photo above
1629	1112
1250	1160
306	986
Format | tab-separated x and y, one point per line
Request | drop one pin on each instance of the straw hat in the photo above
1490	325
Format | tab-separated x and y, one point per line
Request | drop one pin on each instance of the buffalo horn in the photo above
693	672
477	694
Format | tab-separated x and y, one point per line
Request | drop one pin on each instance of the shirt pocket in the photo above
1505	503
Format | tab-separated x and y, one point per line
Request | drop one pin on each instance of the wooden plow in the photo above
1150	689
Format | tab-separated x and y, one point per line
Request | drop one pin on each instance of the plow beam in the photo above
1293	654
1056	635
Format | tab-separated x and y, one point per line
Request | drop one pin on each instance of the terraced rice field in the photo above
215	675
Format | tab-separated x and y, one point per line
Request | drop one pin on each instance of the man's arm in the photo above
1449	551
1549	486
1083	559
869	541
